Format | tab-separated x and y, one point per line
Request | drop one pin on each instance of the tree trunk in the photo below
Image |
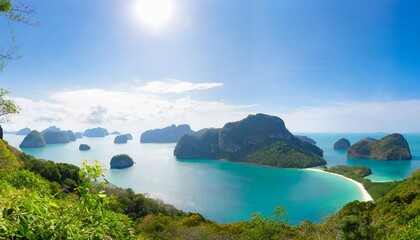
1	133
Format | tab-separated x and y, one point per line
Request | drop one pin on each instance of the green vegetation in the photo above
259	139
34	139
391	147
34	206
281	154
375	189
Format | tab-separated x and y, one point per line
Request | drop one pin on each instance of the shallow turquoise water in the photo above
223	191
382	170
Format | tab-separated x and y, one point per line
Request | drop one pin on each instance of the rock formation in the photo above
391	147
33	140
342	143
121	161
84	147
96	132
120	139
51	129
170	134
260	139
55	137
70	135
23	131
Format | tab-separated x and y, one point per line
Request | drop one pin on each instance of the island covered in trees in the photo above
259	139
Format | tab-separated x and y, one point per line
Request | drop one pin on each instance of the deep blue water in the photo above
226	192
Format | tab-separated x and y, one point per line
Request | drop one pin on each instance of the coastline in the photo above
365	195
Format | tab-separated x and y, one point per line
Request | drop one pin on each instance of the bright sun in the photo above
154	13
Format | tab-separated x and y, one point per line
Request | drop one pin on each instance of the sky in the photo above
133	65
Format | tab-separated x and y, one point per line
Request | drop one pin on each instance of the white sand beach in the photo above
366	196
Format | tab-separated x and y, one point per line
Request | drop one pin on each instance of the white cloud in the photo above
174	86
130	111
390	116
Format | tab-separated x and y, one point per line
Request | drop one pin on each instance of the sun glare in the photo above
154	13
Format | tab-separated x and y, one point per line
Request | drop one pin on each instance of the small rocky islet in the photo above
84	147
342	143
121	161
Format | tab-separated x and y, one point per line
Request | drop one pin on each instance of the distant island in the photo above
70	135
55	137
23	131
84	147
78	135
51	129
342	143
33	140
171	134
120	139
121	161
260	139
96	132
390	147
129	136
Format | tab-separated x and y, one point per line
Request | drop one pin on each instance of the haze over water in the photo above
226	192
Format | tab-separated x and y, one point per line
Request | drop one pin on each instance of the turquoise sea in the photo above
228	192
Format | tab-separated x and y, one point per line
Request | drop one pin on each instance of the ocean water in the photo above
228	192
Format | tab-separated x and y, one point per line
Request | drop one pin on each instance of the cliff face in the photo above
391	147
33	140
260	139
171	134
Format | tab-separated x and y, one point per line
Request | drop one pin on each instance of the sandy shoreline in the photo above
365	195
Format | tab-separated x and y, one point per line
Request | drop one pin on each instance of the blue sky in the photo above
320	65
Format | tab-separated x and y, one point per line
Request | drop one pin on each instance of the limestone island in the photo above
129	136
115	133
120	139
390	147
23	131
96	132
259	139
306	139
171	134
342	143
70	135
55	137
33	140
84	147
78	135
51	129
121	161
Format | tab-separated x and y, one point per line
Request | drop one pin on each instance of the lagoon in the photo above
228	192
